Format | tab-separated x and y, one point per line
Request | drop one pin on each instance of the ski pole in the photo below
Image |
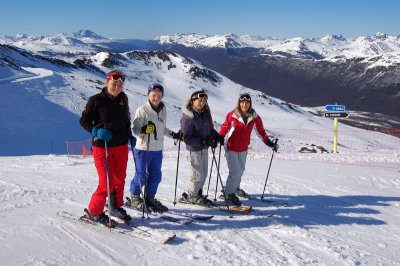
220	178
108	185
209	178
269	168
177	165
219	162
140	183
147	169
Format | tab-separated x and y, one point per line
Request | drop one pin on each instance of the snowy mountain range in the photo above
331	47
362	73
47	81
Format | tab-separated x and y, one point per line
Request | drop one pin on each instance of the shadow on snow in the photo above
305	211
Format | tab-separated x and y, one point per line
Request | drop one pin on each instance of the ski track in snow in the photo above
36	73
336	215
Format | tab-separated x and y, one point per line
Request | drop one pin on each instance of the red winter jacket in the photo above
238	134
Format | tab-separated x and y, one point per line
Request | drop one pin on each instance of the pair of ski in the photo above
270	202
223	207
128	228
244	210
173	216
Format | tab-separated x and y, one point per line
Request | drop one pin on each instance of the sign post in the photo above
335	123
338	112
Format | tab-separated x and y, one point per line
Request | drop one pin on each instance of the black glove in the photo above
178	135
273	144
210	141
220	139
147	129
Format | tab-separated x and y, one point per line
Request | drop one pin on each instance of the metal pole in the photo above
209	178
177	167
220	179
219	161
147	170
269	168
140	184
108	185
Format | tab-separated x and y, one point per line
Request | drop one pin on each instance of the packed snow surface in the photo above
337	215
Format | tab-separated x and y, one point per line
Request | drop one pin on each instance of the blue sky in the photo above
144	19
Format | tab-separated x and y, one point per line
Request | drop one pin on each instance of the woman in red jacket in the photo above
237	129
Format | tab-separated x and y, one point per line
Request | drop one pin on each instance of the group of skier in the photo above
107	117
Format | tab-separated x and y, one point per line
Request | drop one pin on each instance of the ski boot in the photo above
154	205
241	193
120	213
101	218
199	199
135	201
232	198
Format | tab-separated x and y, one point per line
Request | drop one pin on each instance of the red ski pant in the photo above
117	161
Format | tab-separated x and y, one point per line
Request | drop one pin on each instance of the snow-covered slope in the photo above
46	95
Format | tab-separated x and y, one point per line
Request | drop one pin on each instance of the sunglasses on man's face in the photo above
117	77
245	98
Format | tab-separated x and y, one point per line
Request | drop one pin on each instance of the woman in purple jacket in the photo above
199	134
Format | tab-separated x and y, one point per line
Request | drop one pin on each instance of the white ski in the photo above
134	230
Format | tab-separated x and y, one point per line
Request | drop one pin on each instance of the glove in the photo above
178	135
102	133
131	138
147	129
210	141
273	144
220	139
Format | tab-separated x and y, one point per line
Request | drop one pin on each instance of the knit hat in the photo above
155	87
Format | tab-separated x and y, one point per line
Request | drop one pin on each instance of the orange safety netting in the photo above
80	148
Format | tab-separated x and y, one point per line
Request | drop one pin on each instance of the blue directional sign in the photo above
336	108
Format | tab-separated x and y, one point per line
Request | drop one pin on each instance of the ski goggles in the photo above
245	97
201	95
117	77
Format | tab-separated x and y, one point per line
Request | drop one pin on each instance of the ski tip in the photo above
206	218
169	239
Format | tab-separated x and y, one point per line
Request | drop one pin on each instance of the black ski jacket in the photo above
103	110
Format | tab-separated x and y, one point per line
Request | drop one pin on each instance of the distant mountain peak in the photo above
231	35
87	34
21	36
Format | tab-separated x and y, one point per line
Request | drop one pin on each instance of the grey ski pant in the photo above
236	164
198	161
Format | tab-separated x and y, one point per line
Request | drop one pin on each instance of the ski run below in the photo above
337	215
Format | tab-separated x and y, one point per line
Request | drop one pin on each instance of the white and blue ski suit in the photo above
145	114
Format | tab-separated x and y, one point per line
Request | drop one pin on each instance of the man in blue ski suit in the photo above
149	126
